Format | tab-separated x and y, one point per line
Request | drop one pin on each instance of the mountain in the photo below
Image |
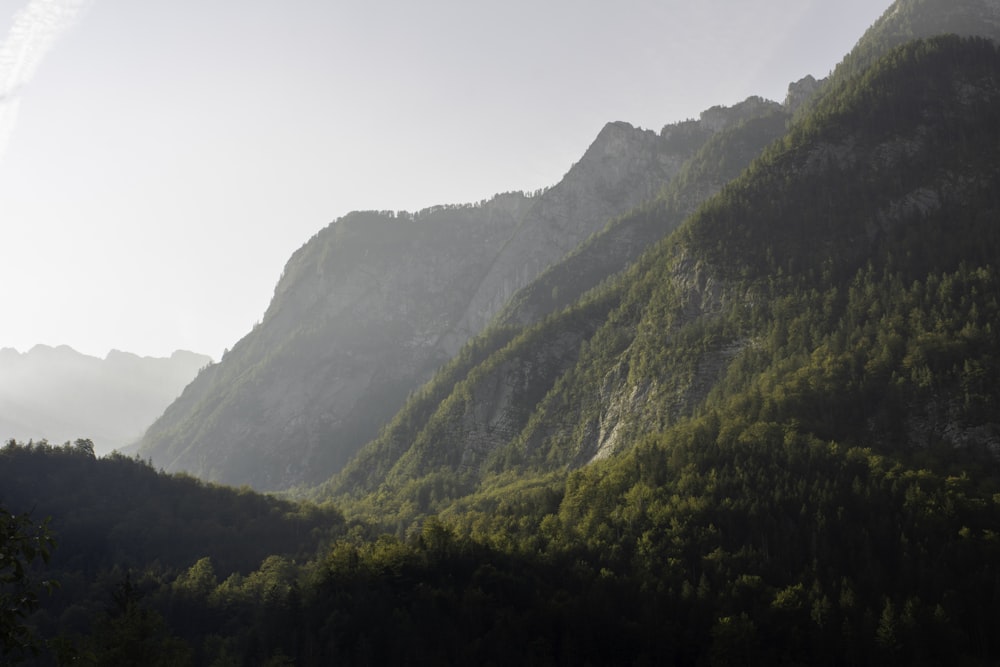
907	20
783	415
764	432
374	304
58	394
740	134
886	185
595	261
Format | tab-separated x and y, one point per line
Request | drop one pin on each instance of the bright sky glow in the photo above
160	161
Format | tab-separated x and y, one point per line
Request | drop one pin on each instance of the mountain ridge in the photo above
340	349
676	324
294	400
764	431
59	394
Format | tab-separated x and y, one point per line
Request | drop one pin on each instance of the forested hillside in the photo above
370	308
769	438
375	303
749	128
868	193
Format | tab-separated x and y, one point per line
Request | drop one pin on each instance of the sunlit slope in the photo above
749	128
843	284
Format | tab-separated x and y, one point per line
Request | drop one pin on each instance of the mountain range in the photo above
728	393
369	309
59	394
374	304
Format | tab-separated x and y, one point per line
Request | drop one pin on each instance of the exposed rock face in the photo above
623	168
729	138
491	409
801	91
58	394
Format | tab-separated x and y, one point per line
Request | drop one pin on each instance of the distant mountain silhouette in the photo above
58	394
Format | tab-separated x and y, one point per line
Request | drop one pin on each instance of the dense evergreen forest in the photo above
810	475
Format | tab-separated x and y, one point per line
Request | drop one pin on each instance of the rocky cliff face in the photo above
801	91
624	167
492	407
728	138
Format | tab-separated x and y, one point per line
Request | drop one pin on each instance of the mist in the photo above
59	395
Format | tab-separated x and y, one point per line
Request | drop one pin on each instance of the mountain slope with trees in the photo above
750	127
374	304
770	440
352	330
868	188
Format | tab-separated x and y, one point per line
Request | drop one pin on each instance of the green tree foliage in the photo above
119	510
131	634
23	541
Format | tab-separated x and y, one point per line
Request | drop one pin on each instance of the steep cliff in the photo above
354	325
737	134
623	168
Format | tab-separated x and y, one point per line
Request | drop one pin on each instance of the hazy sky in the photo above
160	161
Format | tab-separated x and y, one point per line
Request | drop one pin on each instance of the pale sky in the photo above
160	161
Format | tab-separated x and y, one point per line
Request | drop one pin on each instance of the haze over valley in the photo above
60	395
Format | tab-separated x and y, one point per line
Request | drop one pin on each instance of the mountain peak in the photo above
54	352
799	92
718	118
907	20
616	139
